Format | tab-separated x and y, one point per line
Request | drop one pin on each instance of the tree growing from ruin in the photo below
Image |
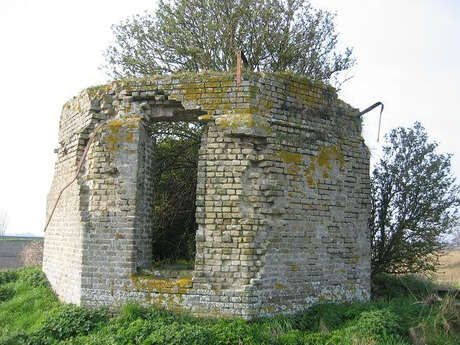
414	202
194	35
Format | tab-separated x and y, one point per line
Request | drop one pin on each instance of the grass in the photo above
449	271
402	313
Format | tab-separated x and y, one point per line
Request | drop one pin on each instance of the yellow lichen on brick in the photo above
269	309
294	268
293	159
121	130
329	154
150	284
310	180
322	164
206	117
290	157
163	292
293	170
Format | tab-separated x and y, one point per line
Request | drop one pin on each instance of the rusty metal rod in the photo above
375	105
80	164
238	68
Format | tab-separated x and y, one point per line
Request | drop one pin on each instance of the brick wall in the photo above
282	196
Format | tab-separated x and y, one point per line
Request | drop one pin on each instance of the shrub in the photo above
6	293
15	339
34	277
133	311
385	285
377	322
414	201
315	339
92	339
69	320
21	338
324	316
178	334
32	254
135	331
293	337
236	331
8	276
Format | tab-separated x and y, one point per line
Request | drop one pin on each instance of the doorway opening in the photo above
174	227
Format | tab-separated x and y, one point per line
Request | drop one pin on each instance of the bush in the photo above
414	204
315	339
326	316
377	323
92	339
32	254
232	332
8	276
15	339
22	338
293	337
34	277
6	293
69	320
390	286
178	334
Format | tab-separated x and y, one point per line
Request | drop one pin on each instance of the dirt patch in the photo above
449	271
10	253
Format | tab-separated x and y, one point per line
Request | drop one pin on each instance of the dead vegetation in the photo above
449	271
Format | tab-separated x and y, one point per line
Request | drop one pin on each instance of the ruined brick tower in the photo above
282	196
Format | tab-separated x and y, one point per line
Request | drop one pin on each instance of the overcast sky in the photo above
408	56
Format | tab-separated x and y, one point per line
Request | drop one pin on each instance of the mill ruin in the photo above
282	198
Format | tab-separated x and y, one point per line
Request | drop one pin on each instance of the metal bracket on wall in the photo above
368	109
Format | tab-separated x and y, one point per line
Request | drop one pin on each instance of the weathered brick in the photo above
282	196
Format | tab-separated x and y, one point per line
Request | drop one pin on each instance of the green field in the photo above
402	313
11	249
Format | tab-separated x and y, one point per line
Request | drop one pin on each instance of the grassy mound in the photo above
405	312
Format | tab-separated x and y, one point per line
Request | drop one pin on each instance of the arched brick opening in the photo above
144	109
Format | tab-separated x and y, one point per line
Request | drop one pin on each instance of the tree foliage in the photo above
176	157
414	203
193	35
456	237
